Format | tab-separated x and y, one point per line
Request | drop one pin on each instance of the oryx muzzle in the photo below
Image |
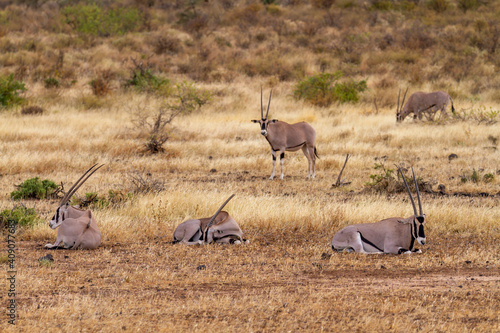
77	228
287	137
393	235
424	104
220	228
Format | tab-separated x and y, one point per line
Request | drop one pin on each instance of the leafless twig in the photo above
340	182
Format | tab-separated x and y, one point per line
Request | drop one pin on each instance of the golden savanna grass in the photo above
287	278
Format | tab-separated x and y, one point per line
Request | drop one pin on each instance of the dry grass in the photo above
285	279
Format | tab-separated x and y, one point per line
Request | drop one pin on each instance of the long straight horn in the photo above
269	104
79	183
397	105
418	193
261	105
404	97
218	211
409	192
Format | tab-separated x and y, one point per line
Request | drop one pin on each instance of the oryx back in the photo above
282	137
223	230
393	235
77	228
291	137
426	104
386	236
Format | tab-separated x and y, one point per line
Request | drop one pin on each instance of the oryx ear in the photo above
406	221
274	120
254	121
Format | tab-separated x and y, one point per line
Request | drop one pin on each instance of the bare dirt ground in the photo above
278	282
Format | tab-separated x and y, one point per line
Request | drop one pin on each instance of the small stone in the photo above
48	257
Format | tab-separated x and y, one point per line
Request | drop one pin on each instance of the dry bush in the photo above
32	110
167	44
417	37
101	85
143	182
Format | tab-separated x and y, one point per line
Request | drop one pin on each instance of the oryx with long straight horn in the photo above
424	104
220	228
77	227
287	137
393	235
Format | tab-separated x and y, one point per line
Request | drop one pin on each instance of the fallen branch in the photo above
340	182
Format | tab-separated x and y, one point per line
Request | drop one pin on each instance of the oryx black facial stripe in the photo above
364	240
421	231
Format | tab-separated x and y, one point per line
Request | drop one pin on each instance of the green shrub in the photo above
95	201
34	188
51	82
94	20
476	177
143	80
21	216
389	181
324	89
9	91
187	97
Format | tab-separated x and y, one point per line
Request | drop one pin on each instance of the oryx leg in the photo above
55	245
282	161
311	159
395	249
274	164
350	238
444	114
189	233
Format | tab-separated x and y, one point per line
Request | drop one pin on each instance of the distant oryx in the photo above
287	137
421	104
221	228
393	235
77	227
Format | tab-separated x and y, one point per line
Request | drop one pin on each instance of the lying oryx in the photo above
421	104
221	228
77	227
393	235
287	137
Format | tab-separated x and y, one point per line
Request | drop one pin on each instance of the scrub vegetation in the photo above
96	82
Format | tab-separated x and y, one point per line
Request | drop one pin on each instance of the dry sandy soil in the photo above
275	283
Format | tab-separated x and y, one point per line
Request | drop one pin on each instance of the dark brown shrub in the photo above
31	110
167	44
322	3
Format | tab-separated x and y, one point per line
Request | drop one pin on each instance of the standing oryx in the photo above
77	228
221	228
421	103
393	235
287	137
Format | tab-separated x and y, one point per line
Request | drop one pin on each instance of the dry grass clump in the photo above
287	278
